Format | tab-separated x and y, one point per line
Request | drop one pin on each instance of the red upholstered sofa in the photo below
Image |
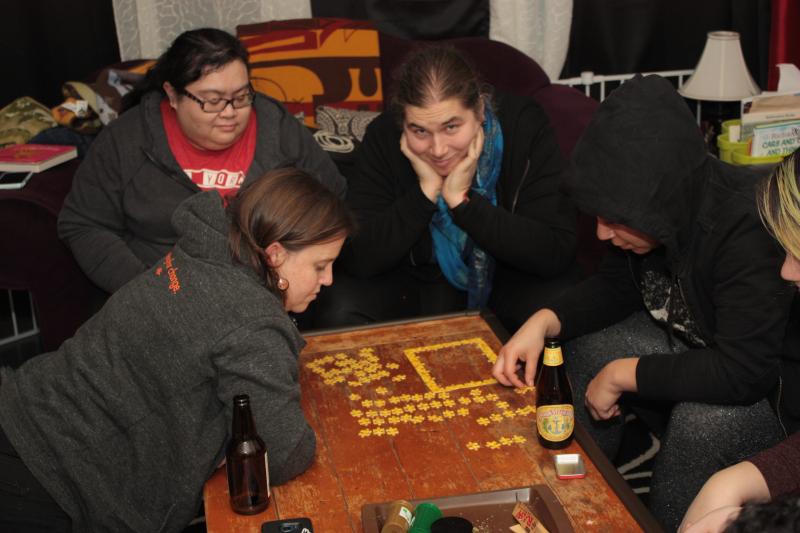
34	259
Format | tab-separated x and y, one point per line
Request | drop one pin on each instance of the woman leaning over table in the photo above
198	126
458	203
773	473
119	429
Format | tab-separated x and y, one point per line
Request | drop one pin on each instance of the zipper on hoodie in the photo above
176	177
519	187
778	406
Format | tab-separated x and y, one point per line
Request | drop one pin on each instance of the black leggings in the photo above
696	439
25	506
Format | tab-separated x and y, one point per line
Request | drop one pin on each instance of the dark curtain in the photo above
48	42
414	19
623	36
784	43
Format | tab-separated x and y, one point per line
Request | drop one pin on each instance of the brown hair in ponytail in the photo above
288	206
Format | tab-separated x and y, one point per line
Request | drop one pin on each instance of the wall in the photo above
48	42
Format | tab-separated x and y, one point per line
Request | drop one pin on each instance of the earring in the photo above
283	283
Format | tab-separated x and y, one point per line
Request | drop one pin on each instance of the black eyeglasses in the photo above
217	105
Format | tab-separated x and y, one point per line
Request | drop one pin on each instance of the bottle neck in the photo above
243	425
552	356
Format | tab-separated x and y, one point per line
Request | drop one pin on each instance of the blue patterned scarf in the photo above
464	264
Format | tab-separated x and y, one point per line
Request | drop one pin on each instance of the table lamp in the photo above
721	76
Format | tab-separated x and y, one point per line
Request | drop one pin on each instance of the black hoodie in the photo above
642	163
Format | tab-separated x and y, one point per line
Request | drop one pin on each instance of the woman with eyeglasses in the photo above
198	126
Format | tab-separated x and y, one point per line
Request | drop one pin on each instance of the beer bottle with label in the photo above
246	462
555	415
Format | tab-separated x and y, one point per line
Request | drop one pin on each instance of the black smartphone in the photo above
291	525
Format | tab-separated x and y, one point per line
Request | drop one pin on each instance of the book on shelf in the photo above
34	157
775	138
769	108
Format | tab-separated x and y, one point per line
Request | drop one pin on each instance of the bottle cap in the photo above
452	524
426	514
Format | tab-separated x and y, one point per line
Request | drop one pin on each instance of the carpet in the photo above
636	456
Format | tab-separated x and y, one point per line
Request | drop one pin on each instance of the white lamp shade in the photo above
721	74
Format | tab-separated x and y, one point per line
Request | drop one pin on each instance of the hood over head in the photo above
635	164
203	226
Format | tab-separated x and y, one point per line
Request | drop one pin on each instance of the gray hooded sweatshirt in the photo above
126	421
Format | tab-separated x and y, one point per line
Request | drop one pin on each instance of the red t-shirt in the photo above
220	170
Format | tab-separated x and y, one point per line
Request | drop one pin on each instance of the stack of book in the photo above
19	162
771	123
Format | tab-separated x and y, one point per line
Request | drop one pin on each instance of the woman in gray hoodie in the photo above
119	429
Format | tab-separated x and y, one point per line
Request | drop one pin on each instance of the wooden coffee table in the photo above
409	410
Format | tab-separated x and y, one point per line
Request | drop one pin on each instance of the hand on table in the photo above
429	180
524	348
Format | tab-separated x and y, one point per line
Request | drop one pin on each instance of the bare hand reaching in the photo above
524	349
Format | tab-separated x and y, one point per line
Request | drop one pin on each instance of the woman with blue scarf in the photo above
457	201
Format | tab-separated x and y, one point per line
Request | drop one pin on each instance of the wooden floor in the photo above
411	412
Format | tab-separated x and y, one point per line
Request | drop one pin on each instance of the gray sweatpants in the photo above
696	439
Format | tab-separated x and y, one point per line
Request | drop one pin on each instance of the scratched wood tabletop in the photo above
410	411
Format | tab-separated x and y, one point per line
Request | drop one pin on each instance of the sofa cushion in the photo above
345	122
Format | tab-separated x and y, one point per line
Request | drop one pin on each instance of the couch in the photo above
34	259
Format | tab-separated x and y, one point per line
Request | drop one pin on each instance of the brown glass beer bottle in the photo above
246	462
555	414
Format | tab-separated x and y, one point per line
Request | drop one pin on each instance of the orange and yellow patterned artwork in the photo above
313	62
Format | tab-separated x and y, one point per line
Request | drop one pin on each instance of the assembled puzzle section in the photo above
401	386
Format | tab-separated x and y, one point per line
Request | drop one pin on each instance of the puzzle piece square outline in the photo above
419	365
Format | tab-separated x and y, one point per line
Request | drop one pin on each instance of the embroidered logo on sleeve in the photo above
172	273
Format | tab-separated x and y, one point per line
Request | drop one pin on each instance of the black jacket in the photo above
642	163
531	229
116	218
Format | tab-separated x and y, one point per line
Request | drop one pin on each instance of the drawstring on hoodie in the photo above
674	290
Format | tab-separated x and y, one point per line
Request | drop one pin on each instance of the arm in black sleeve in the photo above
601	300
385	195
751	308
536	233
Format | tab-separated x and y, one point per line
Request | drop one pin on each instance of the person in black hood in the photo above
685	319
